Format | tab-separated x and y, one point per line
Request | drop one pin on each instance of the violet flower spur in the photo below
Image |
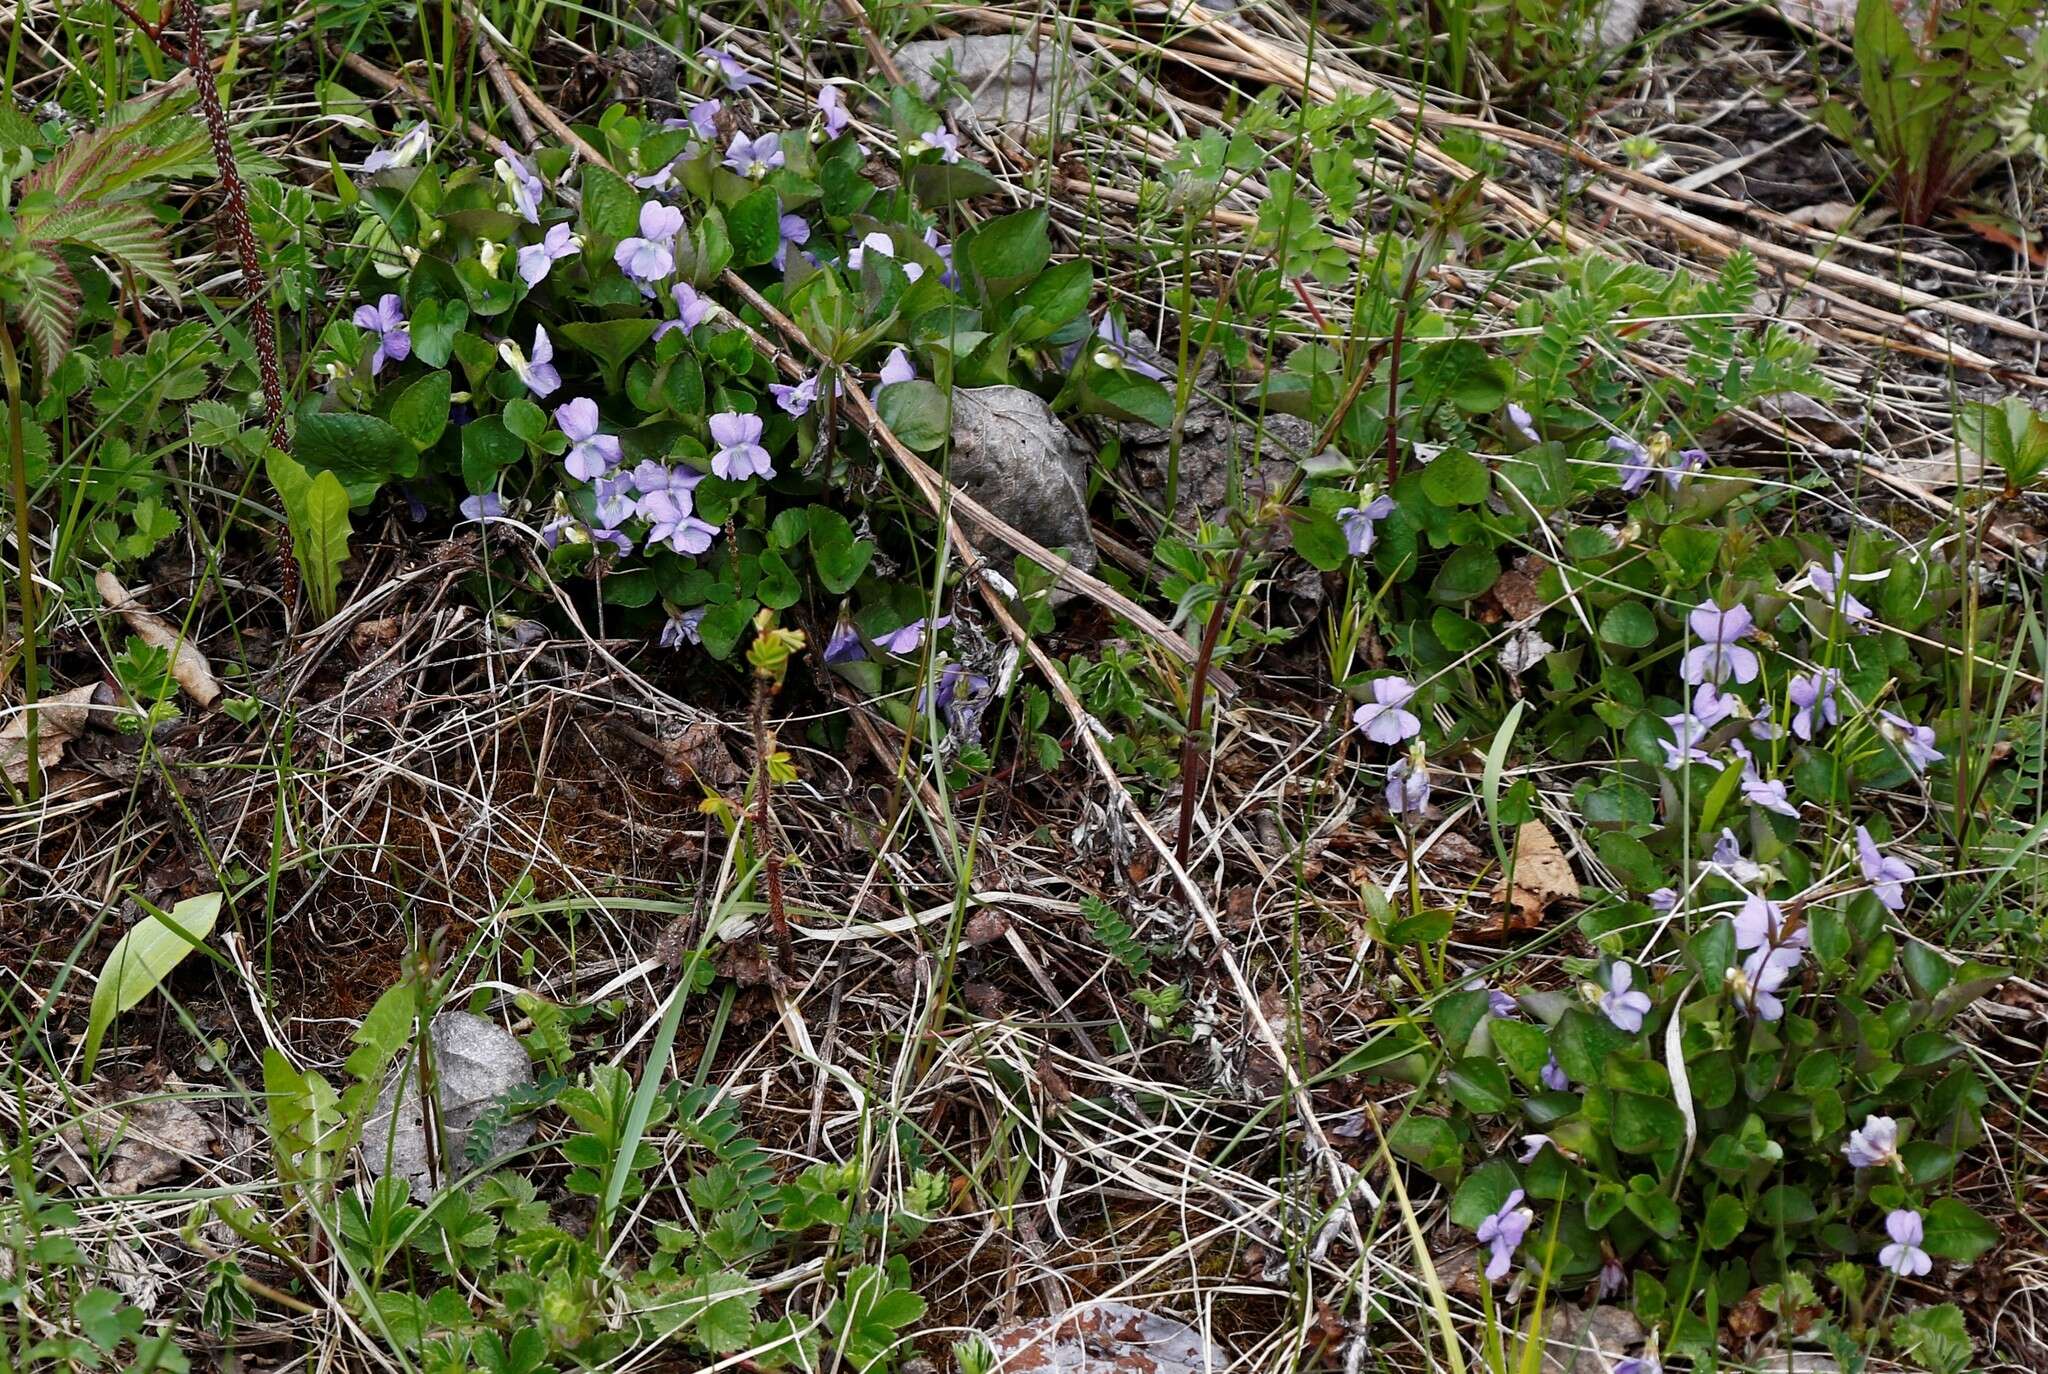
1813	694
1386	719
1875	1145
740	455
1623	1006
1720	653
1904	1256
386	320
536	260
1359	523
591	455
1503	1231
1885	874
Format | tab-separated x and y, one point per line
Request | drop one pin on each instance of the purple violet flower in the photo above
682	628
1110	330
956	698
692	309
1688	732
942	141
1833	585
737	77
483	506
591	455
795	231
907	639
879	242
1885	874
1554	1077
1760	923
650	256
832	105
1814	696
703	119
1359	523
386	319
844	646
1770	793
536	260
740	455
537	372
1720	652
1914	742
1634	1364
1524	423
1623	1006
1386	719
403	153
1532	1146
795	399
755	157
1763	975
1663	901
1904	1256
670	521
1504	1231
522	181
1875	1146
896	368
1613	1279
1408	786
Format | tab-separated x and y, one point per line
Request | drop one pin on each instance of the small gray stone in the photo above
1011	83
475	1062
1011	454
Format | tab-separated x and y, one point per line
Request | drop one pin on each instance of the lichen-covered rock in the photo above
476	1062
1010	83
1011	454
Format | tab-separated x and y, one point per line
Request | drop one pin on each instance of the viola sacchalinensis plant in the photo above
1754	1086
552	345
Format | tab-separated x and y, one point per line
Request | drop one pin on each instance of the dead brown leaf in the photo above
700	752
1542	875
61	719
189	668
